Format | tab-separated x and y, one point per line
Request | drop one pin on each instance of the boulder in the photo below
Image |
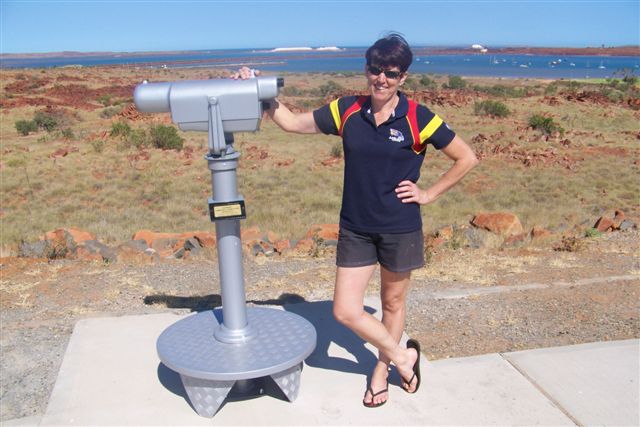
327	232
539	233
251	233
618	217
95	250
303	246
603	224
445	233
627	225
502	223
281	245
39	249
206	239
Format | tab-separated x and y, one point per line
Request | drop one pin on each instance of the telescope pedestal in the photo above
210	368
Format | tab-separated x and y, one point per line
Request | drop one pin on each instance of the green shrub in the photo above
104	100
120	129
592	232
67	133
456	82
329	88
411	84
109	112
45	121
427	82
545	124
26	126
491	108
98	145
165	137
138	138
503	91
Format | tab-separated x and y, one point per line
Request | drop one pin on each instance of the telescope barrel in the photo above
153	97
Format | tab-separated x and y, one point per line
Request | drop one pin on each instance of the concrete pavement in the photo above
111	375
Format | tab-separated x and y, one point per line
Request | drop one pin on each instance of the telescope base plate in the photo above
209	368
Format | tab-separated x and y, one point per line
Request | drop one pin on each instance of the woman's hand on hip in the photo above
245	73
409	192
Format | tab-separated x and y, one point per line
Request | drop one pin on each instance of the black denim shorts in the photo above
397	252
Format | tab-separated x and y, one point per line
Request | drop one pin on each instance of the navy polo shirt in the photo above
377	159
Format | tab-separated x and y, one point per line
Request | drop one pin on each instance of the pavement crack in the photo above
542	391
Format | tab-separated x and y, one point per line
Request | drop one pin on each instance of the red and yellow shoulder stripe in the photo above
419	137
341	119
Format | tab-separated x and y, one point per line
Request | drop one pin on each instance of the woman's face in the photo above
383	83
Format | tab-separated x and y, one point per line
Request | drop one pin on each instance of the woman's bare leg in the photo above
348	309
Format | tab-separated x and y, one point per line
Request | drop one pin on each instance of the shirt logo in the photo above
396	135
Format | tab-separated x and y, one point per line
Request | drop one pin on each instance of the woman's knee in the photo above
347	315
393	304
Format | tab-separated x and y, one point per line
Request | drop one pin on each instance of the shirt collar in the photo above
400	111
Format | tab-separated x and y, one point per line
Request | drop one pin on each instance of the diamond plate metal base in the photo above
209	368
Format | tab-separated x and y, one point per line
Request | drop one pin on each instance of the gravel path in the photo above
463	303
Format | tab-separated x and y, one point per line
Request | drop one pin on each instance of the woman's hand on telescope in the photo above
245	73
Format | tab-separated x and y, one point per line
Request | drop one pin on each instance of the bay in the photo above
351	59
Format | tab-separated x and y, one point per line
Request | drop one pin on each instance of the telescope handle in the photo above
217	143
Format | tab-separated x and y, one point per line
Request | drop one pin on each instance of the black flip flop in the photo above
371	404
411	343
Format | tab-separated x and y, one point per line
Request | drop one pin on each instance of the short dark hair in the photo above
389	51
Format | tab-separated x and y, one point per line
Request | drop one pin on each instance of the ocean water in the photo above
352	60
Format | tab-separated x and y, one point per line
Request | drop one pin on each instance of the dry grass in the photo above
106	188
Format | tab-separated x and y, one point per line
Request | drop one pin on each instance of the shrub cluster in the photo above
503	91
41	120
455	82
25	126
491	108
158	136
545	124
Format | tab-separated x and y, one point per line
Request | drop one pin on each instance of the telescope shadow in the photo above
359	360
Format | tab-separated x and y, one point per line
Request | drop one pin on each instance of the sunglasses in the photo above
388	73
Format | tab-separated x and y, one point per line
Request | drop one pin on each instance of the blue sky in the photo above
85	26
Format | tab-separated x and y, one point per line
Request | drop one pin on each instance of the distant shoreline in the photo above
420	50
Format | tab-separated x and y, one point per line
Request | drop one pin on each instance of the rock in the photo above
603	224
281	245
63	243
251	233
262	247
192	245
539	233
39	249
433	243
303	246
618	217
166	246
95	250
326	232
206	239
134	251
516	240
502	223
150	236
180	253
136	245
627	225
478	238
272	237
445	233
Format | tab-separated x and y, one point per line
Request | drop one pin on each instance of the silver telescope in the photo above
218	106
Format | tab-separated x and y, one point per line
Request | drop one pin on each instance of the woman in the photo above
385	137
